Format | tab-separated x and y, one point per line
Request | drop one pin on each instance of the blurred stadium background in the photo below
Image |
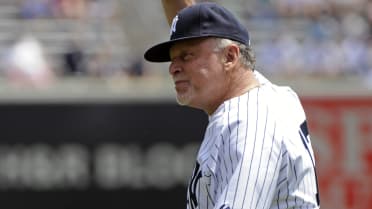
52	45
76	92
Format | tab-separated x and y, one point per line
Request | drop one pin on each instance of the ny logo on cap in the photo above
174	23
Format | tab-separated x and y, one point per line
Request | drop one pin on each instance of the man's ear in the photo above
231	56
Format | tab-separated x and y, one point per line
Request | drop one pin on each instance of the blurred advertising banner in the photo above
94	156
140	155
341	132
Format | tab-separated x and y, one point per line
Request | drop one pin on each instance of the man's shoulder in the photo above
284	102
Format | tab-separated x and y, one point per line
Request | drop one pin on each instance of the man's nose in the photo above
174	68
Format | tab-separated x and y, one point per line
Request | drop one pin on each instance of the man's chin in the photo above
183	101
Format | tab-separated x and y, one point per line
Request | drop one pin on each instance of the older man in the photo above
256	152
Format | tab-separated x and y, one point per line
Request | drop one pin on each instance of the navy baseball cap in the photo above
205	19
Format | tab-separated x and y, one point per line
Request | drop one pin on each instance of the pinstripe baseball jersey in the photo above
256	154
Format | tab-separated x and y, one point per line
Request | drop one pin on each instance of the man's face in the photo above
198	73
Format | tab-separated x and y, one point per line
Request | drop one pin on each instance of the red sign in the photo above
341	133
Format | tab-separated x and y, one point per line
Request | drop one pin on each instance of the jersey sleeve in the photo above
250	158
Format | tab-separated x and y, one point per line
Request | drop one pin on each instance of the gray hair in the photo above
246	57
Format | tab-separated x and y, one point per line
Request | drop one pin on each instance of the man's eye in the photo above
187	57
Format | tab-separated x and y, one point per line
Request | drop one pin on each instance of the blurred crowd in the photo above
87	29
334	39
75	9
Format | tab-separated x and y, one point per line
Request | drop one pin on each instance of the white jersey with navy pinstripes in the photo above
256	154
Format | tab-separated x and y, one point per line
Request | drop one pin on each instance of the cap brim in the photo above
160	52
